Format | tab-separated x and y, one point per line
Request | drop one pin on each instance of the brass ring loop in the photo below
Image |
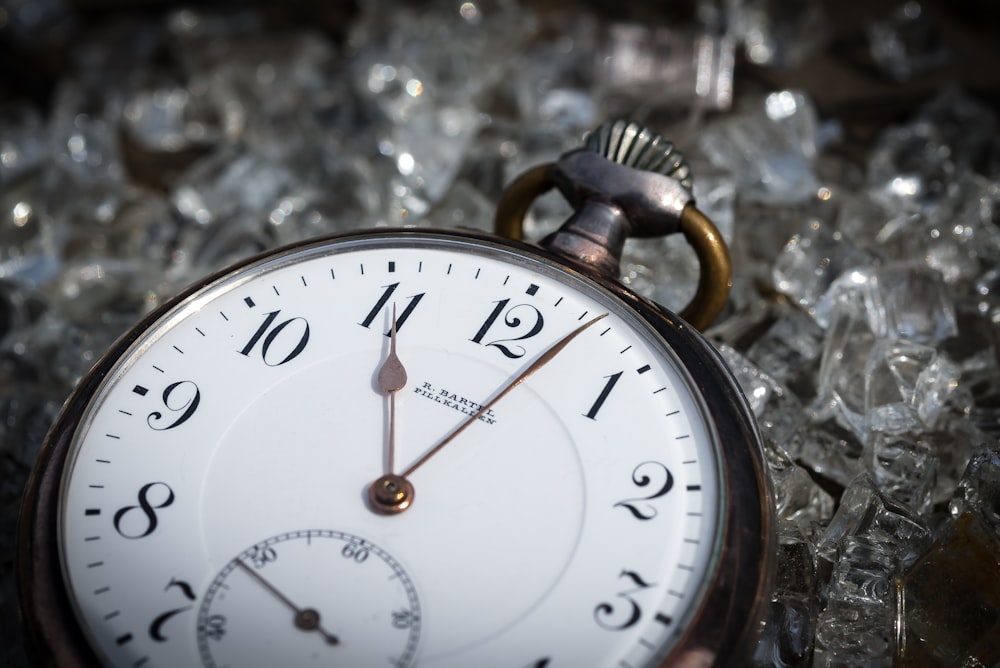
716	276
714	280
517	198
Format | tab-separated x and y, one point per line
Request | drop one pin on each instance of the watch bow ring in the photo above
625	181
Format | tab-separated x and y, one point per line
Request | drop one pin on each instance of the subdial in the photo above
312	597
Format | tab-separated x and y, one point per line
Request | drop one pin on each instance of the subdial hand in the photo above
394	493
304	619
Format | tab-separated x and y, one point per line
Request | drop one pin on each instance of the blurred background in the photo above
848	151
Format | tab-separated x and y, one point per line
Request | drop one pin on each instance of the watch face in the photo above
566	496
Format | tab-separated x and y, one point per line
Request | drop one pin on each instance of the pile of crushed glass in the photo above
864	324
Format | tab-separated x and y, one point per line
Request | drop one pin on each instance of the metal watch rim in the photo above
738	583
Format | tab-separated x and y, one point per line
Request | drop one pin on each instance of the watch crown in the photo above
633	145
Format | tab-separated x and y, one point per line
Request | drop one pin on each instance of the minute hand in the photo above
539	362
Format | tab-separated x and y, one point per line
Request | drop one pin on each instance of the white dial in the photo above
565	508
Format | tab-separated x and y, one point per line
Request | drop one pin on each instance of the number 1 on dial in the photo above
603	396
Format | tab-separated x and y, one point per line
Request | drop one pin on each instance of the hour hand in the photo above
391	379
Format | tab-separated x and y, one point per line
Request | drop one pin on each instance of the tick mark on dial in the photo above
90	512
122	639
583	315
673	413
392	267
678	594
158	369
659	390
477	272
682	437
224	316
95	564
117	438
532	289
90	539
685	567
694	488
304	284
104	461
140	390
102	590
558	301
198	329
333	275
362	266
177	349
249	302
623	350
112	615
643	369
275	288
506	279
663	619
449	269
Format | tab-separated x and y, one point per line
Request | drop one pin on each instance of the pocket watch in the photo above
415	447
